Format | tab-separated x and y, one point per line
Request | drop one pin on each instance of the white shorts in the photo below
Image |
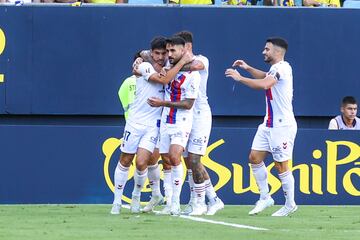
139	136
173	134
279	141
199	135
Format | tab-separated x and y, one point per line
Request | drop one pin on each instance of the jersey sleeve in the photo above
204	61
333	124
192	86
274	72
146	70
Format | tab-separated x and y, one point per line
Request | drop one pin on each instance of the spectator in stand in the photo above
195	2
143	2
322	3
347	120
102	1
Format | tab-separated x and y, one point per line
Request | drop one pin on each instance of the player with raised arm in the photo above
198	177
177	116
276	135
142	127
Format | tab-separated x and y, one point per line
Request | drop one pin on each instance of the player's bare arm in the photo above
264	83
195	65
256	73
171	73
184	104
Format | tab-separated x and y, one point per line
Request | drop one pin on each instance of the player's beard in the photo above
160	62
267	59
174	61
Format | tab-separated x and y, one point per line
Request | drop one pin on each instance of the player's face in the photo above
349	111
175	52
159	56
268	52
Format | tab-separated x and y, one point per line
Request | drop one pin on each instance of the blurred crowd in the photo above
285	3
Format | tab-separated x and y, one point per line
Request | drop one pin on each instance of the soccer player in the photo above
142	129
177	116
153	167
199	180
347	120
276	135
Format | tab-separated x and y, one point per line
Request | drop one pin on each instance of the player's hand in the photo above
155	102
233	74
187	58
137	62
242	64
163	72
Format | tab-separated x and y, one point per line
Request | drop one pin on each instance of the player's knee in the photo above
126	159
252	158
141	166
153	160
281	167
174	158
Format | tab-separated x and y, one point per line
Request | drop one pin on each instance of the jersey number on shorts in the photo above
126	135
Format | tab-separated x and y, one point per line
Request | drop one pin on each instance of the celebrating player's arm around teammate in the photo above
177	116
198	178
276	135
141	129
164	76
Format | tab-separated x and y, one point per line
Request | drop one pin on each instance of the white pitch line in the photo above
198	219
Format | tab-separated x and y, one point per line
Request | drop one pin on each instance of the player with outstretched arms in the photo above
276	135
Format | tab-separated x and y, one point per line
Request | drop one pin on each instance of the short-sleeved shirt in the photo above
127	93
338	123
140	111
184	86
278	98
201	104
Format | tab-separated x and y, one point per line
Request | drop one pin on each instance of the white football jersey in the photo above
184	86
279	109
201	104
140	111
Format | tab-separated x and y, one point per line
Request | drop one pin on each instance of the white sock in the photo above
261	177
199	190
154	179
120	179
139	181
168	186
288	182
210	191
177	173
191	184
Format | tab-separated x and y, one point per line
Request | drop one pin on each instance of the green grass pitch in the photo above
94	222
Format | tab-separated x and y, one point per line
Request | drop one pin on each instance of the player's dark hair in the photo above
137	55
278	41
348	100
186	35
175	40
158	43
